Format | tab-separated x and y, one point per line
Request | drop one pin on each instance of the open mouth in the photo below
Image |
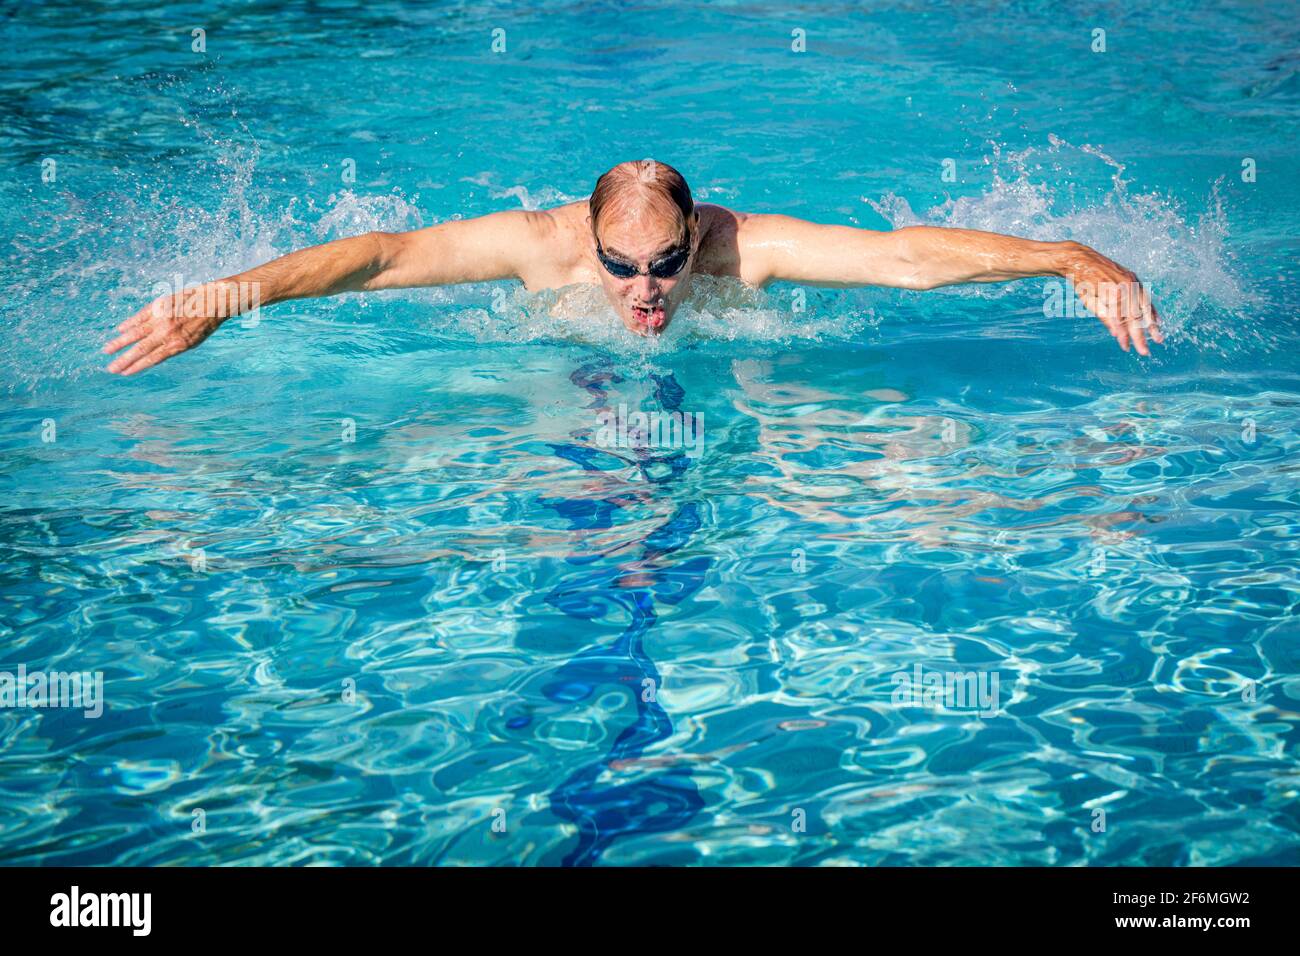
651	318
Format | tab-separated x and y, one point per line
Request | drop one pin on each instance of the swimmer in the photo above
641	237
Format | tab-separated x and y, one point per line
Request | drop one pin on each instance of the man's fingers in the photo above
1097	305
1117	329
1114	321
1151	318
1094	304
1139	340
136	352
154	333
1115	296
156	309
1110	321
164	307
126	338
147	360
1129	315
137	319
1139	315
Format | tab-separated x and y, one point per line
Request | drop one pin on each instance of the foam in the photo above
1182	258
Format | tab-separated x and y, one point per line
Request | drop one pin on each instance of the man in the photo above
641	237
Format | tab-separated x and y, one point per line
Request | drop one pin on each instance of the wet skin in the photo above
553	248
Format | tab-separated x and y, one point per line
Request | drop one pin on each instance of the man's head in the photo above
644	233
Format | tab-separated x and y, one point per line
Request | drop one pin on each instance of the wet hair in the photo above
639	187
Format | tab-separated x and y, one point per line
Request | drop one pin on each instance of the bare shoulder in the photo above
771	246
731	244
565	225
557	253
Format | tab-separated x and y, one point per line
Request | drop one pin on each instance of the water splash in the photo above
1182	257
88	262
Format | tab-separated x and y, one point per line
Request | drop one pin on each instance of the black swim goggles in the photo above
665	267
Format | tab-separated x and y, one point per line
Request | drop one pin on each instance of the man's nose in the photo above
646	287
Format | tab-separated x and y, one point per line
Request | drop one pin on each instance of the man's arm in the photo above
496	246
776	247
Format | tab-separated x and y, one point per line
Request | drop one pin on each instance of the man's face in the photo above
644	302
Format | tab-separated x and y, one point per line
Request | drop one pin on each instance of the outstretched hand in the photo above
169	325
1114	295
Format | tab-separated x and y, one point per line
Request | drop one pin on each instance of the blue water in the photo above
330	651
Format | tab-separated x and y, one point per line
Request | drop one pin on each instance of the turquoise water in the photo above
361	581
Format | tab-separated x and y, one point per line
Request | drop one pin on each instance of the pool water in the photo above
366	583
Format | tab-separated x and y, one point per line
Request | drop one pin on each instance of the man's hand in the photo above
169	325
1113	294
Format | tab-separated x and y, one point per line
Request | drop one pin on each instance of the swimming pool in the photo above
365	585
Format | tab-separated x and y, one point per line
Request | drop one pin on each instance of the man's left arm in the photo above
774	247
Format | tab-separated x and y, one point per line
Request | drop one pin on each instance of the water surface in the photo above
361	579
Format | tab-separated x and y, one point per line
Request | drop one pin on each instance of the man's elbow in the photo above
386	248
917	282
382	257
909	267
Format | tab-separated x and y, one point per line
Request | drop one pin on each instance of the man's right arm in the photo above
495	246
